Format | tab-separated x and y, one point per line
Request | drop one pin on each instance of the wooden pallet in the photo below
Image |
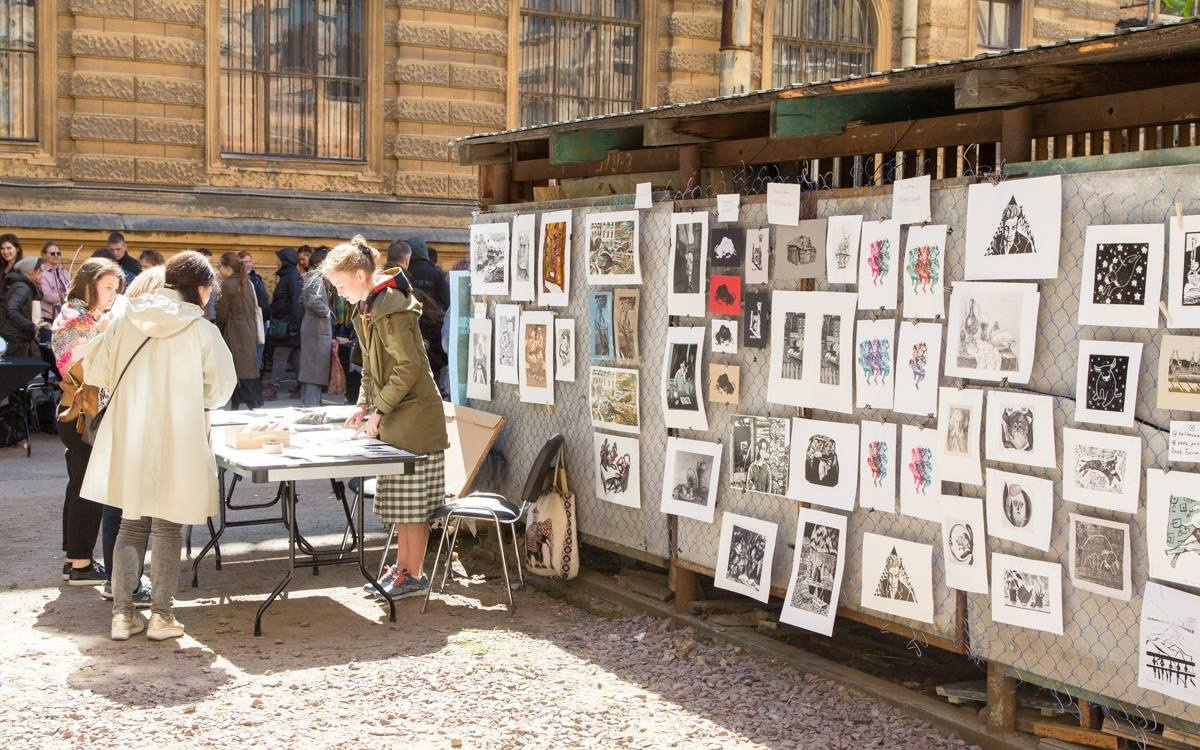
976	692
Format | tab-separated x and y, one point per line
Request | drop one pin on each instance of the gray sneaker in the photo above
141	597
409	587
383	580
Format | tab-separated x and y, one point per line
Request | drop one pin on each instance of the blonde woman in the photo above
398	403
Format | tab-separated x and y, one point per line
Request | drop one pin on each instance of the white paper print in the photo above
524	258
1122	276
690	478
815	585
759	456
920	480
564	349
923	274
812	338
874	364
1184	444
1019	429
683	400
1027	593
617	464
554	259
960	419
613	399
783	203
1179	373
877	466
918	363
1099	556
910	200
1101	469
744	556
1169	643
800	251
842	236
479	383
1183	272
724	336
1173	526
992	331
897	577
689	261
507	318
964	543
1020	508
1106	381
642	197
758	255
879	265
727	207
489	259
612	248
1014	228
824	462
535	357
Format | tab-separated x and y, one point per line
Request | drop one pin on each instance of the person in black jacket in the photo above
22	286
130	265
287	313
260	294
432	286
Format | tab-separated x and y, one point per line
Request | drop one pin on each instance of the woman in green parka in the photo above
398	402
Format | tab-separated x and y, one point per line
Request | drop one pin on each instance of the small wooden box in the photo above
238	439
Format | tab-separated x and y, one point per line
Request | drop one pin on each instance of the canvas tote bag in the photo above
551	534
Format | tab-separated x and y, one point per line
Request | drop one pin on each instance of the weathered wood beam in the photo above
1004	87
662	159
829	115
483	153
1158	106
592	145
668	131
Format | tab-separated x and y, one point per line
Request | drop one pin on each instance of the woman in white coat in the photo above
164	365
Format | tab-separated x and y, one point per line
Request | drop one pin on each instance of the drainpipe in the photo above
908	34
735	47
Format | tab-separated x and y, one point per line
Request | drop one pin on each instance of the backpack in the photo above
551	532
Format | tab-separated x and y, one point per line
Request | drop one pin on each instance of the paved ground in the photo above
331	673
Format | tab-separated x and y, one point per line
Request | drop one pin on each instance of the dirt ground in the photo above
331	672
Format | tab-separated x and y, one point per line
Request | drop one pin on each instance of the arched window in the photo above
815	40
578	58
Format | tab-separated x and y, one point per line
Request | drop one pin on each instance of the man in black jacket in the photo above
287	311
128	263
432	286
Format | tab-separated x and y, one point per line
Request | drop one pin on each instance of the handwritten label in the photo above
642	198
479	309
1185	442
783	204
728	205
910	200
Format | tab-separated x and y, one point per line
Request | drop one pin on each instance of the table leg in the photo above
289	501
216	533
362	557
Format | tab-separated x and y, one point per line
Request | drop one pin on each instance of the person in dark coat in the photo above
264	303
316	333
237	317
432	286
18	328
130	265
287	313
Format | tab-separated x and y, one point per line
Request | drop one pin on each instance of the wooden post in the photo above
689	167
687	587
1090	715
1001	699
1016	133
501	175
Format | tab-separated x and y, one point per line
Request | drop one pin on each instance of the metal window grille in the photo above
18	70
815	40
292	78
578	58
997	23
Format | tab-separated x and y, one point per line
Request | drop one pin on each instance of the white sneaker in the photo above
124	626
162	628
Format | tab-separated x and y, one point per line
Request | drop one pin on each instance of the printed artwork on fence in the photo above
910	200
960	419
812	350
964	543
725	295
745	554
760	455
554	259
1173	526
756	320
842	237
683	405
1019	429
823	464
1183	273
724	336
992	331
690	478
564	349
612	248
724	383
923	276
1020	508
878	265
877	466
689	264
1106	381
1101	469
897	577
758	255
727	247
874	364
800	250
626	304
479	384
507	319
536	357
613	399
1122	276
1027	593
617	464
1179	373
1169	643
815	584
920	480
1014	228
603	344
918	362
460	334
1099	556
489	259
524	258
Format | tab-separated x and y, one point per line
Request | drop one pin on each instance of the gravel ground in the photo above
331	672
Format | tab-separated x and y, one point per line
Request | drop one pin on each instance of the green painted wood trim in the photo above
1167	157
828	115
592	145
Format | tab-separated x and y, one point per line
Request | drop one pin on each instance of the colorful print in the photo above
922	267
875	359
918	363
879	259
877	461
921	467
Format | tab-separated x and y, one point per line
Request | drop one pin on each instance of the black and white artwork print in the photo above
1122	275
682	397
747	550
1179	373
894	582
489	259
479	381
1169	643
728	247
745	554
1106	378
824	469
813	591
821	465
1027	593
690	478
724	336
1183	272
688	238
1102	469
963	543
897	577
1014	229
800	250
1019	508
992	331
1106	382
756	320
681	386
760	458
831	349
1019	429
1099	556
689	262
793	346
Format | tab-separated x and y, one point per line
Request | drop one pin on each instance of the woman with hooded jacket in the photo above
316	333
237	319
287	315
22	287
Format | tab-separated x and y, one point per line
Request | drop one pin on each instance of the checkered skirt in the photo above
410	498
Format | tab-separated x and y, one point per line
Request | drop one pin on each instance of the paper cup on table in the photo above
272	446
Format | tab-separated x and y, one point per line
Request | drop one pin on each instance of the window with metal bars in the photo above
998	23
815	40
292	79
578	58
18	70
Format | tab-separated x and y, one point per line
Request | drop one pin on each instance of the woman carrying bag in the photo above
237	318
316	333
